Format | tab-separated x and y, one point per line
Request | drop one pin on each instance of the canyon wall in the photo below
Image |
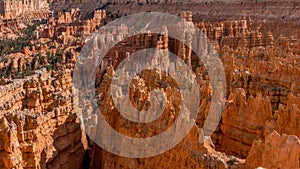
12	9
259	127
38	127
262	94
269	15
262	79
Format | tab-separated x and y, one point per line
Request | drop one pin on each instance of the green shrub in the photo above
232	161
8	46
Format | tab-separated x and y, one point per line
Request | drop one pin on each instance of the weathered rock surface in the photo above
13	9
39	128
275	151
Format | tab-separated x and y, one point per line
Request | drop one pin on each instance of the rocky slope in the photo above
38	127
260	124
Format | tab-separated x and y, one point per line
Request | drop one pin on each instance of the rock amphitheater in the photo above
257	42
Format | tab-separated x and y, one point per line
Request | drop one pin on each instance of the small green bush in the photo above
232	161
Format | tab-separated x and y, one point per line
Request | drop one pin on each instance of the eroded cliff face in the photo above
284	149
262	75
271	12
184	155
262	94
40	129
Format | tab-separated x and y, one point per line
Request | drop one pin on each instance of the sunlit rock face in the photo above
275	151
260	54
13	9
38	127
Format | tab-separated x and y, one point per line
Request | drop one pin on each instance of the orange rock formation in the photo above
260	124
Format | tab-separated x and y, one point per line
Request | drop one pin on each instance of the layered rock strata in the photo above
38	126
